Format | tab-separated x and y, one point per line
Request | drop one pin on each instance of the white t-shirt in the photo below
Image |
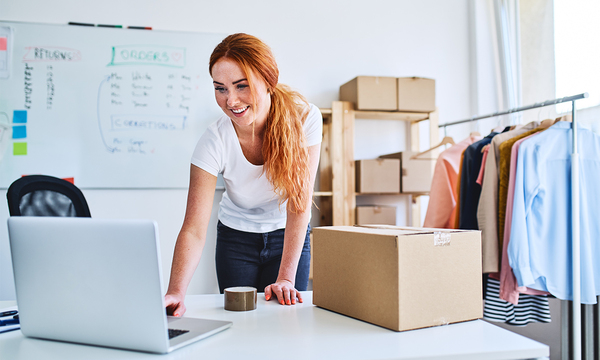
249	202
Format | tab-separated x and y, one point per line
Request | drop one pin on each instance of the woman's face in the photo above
234	97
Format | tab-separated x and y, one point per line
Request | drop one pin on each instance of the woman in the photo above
267	148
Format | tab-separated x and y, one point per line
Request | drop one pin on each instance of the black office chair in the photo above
41	195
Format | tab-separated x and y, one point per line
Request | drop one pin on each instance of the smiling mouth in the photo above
239	111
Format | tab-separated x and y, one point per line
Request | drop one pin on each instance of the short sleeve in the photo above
208	152
313	126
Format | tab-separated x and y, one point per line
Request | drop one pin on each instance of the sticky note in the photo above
19	132
3	42
20	148
20	116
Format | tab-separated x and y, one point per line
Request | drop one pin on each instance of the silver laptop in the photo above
98	282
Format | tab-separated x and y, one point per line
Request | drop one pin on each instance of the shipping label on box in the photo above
371	93
398	277
378	176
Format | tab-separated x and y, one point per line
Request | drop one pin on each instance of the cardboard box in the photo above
385	215
310	268
371	92
416	94
398	277
378	176
415	174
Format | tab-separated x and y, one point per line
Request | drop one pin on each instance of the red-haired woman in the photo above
267	148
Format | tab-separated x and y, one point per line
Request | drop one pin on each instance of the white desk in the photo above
302	331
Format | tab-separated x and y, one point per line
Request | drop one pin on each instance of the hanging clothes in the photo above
539	250
485	150
525	308
469	189
504	164
458	179
441	210
487	210
529	309
509	289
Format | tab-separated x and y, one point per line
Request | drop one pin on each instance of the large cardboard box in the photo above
415	174
398	277
416	94
385	215
371	92
378	176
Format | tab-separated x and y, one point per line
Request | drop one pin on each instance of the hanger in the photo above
567	118
446	140
547	123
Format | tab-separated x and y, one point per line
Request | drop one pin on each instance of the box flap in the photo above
408	230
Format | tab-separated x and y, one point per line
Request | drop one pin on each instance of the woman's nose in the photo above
232	99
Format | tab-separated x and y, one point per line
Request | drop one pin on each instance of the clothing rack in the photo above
576	316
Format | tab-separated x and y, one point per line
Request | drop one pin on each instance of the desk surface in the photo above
302	331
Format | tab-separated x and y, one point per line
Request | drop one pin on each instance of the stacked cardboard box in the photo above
411	94
415	173
378	176
385	215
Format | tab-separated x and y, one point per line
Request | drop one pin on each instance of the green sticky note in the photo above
19	148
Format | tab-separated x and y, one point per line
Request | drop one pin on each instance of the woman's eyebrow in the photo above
235	82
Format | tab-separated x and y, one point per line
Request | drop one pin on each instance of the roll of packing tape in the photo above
241	298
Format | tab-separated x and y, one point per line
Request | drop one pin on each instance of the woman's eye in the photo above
220	89
240	86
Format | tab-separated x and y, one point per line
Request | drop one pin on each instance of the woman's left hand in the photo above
284	291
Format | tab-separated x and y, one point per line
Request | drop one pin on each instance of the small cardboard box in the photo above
415	174
371	92
416	94
400	278
385	215
378	176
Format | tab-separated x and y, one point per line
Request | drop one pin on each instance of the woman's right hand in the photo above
174	304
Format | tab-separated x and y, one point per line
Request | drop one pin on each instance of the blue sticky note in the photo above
19	132
20	116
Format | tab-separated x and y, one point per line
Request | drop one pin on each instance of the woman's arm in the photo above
191	239
295	233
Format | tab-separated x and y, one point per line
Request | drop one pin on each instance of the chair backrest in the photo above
42	195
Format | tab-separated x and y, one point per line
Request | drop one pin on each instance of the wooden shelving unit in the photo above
337	174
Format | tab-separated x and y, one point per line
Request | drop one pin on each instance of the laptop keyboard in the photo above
176	332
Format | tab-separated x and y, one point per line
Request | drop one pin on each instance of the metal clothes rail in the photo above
519	109
576	259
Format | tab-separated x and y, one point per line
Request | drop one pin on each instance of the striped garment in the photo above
531	308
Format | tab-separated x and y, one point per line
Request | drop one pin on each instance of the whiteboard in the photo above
108	107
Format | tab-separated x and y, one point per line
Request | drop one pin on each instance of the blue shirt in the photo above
540	244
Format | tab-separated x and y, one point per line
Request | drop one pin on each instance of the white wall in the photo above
319	45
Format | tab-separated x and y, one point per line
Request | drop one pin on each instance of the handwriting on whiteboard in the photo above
148	55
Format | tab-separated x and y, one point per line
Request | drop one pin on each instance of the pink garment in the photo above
486	150
441	210
509	289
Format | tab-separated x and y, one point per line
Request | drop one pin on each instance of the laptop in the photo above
98	282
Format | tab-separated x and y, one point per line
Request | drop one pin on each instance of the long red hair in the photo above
285	151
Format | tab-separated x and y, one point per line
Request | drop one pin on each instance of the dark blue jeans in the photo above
253	259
